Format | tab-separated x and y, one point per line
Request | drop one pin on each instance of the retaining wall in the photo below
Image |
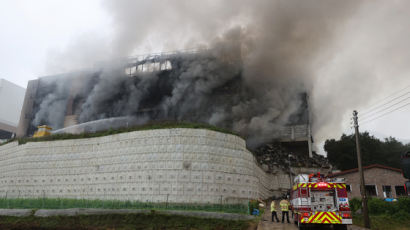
174	165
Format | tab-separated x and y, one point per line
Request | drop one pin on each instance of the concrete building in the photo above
67	96
381	181
11	102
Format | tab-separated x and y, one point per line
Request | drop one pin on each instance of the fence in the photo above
64	203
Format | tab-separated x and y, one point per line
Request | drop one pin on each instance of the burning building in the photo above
185	165
204	86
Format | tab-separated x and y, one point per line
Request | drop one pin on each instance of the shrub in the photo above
253	204
401	215
403	203
355	204
377	206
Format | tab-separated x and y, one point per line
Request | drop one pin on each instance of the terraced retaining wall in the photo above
174	165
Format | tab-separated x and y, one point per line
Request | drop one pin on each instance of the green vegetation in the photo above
384	222
49	203
254	204
384	215
121	222
342	153
149	126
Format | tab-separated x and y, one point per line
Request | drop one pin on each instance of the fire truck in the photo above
317	201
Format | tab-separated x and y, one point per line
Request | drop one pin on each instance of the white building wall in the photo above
11	102
185	165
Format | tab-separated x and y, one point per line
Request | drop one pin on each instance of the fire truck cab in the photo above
319	201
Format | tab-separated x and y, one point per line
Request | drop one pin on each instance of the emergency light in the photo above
322	185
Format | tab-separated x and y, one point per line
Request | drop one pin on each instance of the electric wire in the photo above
376	105
380	107
376	108
384	109
384	114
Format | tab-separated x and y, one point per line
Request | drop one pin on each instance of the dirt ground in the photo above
267	224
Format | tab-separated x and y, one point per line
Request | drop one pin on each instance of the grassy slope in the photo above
131	221
149	126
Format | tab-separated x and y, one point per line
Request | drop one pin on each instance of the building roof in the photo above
365	167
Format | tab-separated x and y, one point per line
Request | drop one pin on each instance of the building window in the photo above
386	191
348	188
400	190
371	190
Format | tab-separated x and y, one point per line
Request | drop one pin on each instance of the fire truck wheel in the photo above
301	226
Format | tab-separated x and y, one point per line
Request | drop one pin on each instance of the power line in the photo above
373	109
365	122
384	109
375	105
386	103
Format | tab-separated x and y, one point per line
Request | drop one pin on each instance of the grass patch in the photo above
148	126
121	222
384	222
49	203
384	215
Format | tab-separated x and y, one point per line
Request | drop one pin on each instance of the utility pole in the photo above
359	163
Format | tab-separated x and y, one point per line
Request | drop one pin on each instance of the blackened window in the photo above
371	190
400	190
348	188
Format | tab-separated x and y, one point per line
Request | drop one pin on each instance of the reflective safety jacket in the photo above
273	206
284	205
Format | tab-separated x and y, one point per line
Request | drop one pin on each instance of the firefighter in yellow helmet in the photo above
284	206
273	210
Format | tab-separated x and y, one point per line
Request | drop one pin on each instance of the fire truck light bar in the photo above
322	185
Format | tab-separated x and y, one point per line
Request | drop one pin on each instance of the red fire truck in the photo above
318	201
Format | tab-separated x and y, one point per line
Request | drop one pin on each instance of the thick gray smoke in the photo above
337	51
53	105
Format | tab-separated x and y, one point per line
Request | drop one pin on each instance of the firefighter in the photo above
284	206
273	210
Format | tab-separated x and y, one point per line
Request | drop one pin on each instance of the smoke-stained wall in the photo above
204	87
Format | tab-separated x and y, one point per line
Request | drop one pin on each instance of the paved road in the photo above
267	224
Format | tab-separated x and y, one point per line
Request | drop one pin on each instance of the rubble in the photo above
274	157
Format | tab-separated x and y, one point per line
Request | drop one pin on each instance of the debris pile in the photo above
274	157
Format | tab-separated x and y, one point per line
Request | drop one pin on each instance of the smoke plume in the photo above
339	52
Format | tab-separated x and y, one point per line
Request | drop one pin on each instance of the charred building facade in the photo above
205	87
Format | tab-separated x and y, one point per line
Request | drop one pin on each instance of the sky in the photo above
32	31
35	33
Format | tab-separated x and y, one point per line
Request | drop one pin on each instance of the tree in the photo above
342	153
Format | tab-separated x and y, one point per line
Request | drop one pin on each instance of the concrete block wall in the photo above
178	165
